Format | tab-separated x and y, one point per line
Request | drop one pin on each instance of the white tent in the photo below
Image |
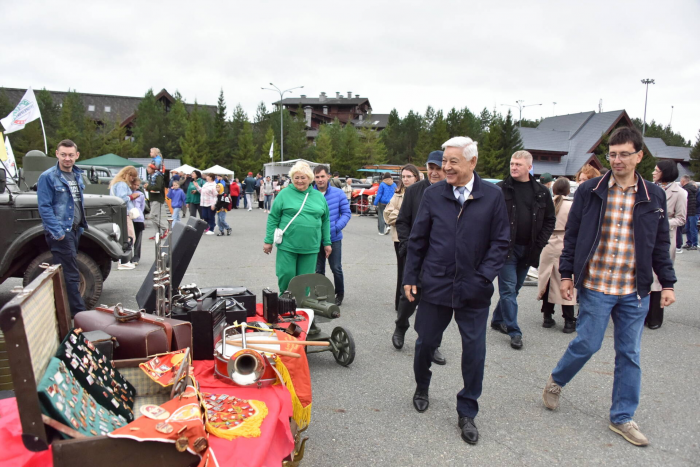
188	169
218	170
282	168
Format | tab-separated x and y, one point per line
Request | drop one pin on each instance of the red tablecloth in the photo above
13	453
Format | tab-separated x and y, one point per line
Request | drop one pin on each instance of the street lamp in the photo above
554	104
281	93
646	82
520	107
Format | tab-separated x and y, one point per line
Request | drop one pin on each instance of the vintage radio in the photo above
270	306
241	295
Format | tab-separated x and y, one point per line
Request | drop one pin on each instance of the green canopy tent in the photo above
109	160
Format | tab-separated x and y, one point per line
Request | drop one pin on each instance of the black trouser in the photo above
406	309
655	315
234	201
65	253
567	311
431	322
138	231
400	263
194	210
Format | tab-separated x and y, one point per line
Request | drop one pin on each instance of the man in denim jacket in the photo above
60	196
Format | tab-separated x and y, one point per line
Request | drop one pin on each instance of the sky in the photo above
399	54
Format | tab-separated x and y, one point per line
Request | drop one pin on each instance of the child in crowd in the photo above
139	201
177	200
222	203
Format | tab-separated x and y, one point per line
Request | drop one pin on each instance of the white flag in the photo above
26	111
272	146
10	162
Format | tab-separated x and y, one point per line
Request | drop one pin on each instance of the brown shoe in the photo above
630	431
551	393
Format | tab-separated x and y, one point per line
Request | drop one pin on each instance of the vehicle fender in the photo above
17	245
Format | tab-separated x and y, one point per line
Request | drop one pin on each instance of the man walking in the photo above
617	237
249	187
156	198
336	181
339	211
691	220
404	223
60	197
458	244
531	217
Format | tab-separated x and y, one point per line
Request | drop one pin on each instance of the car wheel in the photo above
363	205
90	276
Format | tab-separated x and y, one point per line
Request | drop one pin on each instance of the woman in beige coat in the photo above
409	176
549	279
664	175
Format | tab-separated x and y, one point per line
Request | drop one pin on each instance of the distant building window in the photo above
91	108
325	110
108	108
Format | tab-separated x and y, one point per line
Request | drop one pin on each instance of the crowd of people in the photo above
609	248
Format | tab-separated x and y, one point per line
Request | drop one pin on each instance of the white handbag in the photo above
279	233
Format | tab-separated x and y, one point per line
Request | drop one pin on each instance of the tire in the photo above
345	345
362	205
90	276
106	268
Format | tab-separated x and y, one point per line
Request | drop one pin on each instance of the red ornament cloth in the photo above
13	452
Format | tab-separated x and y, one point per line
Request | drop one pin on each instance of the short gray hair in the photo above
468	146
522	155
686	178
302	168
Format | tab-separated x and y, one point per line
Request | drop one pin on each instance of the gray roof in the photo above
378	121
323	101
658	149
576	135
684	169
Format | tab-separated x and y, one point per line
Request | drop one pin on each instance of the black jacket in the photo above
651	238
543	224
409	211
455	251
692	199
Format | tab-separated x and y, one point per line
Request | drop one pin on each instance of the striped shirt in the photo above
612	267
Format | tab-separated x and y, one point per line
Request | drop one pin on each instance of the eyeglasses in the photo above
623	156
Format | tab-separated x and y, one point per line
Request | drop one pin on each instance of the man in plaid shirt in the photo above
616	235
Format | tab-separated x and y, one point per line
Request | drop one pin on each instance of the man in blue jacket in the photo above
339	211
60	197
384	194
617	237
458	244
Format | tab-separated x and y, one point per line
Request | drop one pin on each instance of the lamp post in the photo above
646	82
281	93
520	107
554	104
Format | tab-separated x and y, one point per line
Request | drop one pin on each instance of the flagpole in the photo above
46	149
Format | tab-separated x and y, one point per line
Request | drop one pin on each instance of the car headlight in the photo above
116	232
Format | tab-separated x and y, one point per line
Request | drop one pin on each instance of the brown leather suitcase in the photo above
137	338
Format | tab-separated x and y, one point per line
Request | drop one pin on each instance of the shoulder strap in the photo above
298	212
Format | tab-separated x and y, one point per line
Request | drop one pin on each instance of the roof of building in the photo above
659	149
378	121
339	99
684	169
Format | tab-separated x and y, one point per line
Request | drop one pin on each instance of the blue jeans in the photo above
268	202
334	261
692	234
628	313
65	253
209	216
223	225
176	214
510	280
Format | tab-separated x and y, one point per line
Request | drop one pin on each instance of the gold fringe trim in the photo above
301	414
248	429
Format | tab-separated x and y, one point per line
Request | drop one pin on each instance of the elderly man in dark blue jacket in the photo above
616	235
458	244
339	211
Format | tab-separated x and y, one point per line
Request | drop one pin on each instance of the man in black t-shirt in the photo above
532	219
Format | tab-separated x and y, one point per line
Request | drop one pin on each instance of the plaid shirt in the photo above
611	269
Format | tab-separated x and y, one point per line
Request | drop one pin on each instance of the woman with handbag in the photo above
207	203
298	223
120	186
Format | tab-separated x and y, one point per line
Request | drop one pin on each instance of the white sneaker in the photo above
211	232
250	209
124	266
680	251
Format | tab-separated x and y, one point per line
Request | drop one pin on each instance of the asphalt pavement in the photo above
363	415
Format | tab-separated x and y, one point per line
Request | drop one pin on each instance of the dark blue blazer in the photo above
651	233
457	251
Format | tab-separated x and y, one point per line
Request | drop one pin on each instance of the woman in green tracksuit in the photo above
298	252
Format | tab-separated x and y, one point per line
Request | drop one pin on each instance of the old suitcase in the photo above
138	338
34	323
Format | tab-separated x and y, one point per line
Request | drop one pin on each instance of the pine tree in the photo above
454	123
410	130
295	138
324	145
5	105
115	141
371	150
391	136
195	150
246	151
348	153
265	149
471	125
238	119
492	162
72	120
511	137
176	126
149	126
439	132
486	118
695	159
220	141
91	140
50	114
261	125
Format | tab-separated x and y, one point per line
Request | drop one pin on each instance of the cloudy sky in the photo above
402	54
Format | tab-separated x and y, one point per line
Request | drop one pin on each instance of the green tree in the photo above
295	141
391	136
486	118
195	150
91	140
246	151
371	150
115	141
491	162
439	132
269	139
261	125
347	155
149	125
655	130
176	128
220	142
695	158
238	119
5	105
324	145
511	137
72	120
50	114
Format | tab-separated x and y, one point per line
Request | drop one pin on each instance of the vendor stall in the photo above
275	169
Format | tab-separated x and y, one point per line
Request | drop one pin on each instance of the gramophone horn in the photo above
246	367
